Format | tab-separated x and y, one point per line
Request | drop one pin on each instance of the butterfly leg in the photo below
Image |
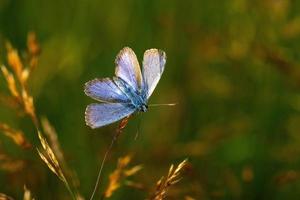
122	125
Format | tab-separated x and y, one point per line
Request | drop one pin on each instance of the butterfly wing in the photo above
97	115
128	68
105	90
153	66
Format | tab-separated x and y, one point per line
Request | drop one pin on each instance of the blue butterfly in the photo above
128	91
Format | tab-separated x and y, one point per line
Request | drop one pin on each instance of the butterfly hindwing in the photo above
105	90
97	115
128	68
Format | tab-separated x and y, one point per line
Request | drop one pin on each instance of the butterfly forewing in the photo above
97	115
105	90
128	68
153	66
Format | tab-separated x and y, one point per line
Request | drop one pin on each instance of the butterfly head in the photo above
143	108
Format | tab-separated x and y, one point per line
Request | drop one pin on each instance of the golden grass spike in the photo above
14	61
51	161
9	164
164	183
133	170
28	104
11	83
134	185
52	135
124	161
189	198
32	44
25	75
16	135
5	197
34	50
17	84
116	175
50	155
170	170
119	174
27	194
48	163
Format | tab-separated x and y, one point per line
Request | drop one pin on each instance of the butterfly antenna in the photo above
163	104
122	125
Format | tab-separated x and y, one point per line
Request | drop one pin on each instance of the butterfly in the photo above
128	91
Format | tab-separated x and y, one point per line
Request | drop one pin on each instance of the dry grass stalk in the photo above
173	177
32	44
14	61
33	50
25	75
28	105
119	174
189	198
51	161
9	164
9	101
135	185
52	135
49	158
11	83
24	98
22	74
5	197
16	135
27	194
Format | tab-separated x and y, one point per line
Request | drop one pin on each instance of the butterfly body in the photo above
128	91
138	98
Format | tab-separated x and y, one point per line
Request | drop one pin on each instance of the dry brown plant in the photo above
120	174
5	197
27	194
17	136
17	80
164	183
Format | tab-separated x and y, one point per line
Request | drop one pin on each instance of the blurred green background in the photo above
232	66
